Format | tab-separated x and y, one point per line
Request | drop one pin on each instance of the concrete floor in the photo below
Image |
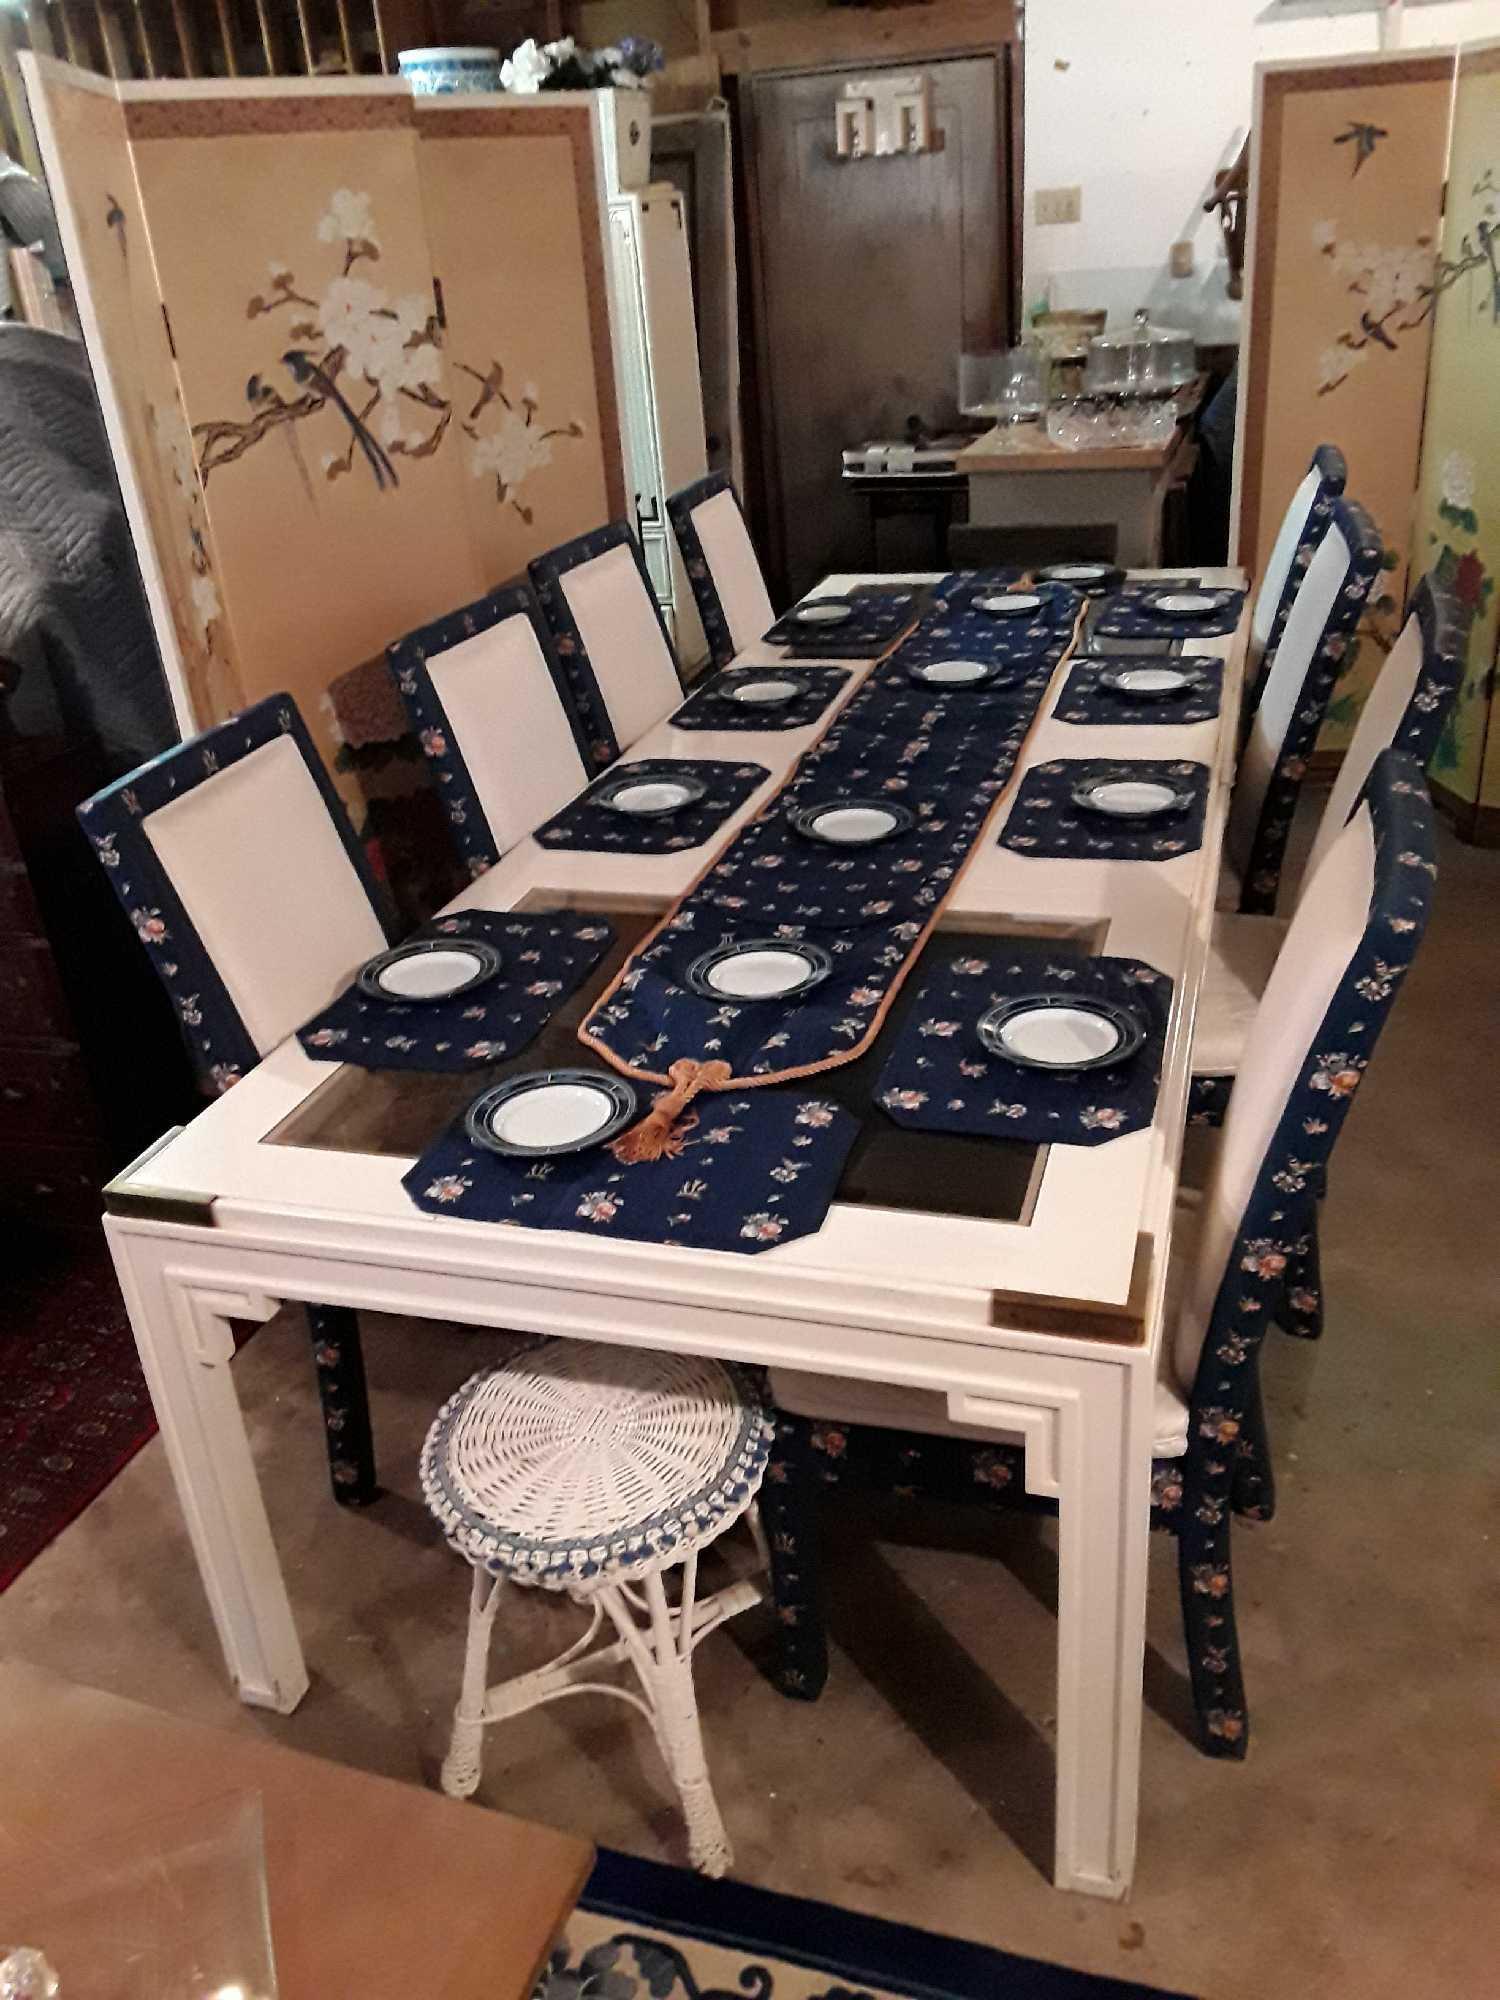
1356	1852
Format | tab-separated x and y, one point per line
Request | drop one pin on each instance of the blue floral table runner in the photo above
544	957
1044	821
1084	698
707	709
588	824
753	1170
941	1078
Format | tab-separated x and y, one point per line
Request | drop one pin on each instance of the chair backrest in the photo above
610	639
492	713
1406	708
237	865
1347	948
721	565
1303	526
1325	609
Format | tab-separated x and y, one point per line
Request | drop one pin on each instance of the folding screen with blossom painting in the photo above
1458	509
388	338
1346	206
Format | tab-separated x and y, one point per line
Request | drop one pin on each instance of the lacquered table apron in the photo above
1049	1328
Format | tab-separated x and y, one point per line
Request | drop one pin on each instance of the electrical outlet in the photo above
1059	204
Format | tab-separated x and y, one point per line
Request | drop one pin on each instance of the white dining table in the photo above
1046	1328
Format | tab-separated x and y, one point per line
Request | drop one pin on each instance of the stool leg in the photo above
663	1660
463	1763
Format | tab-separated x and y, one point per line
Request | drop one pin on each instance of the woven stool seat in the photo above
575	1463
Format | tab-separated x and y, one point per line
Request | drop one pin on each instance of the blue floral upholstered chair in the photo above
722	566
1303	526
236	863
1350	943
610	639
1406	710
492	712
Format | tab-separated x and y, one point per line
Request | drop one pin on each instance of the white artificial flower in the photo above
205	602
1459	477
511	453
525	69
347	219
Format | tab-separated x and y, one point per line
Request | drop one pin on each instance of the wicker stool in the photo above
592	1470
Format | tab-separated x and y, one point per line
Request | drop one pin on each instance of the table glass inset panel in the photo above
398	1113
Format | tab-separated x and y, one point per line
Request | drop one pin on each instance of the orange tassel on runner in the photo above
659	1136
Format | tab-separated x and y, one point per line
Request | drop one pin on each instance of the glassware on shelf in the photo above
1087	425
1140	360
1007	387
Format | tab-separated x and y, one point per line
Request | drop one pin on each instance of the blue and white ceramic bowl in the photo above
437	71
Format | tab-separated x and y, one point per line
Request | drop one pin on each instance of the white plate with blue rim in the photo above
649	791
1152	680
823	611
759	969
1061	1031
1187	603
958	673
754	687
1131	795
1010	603
547	1112
428	969
851	822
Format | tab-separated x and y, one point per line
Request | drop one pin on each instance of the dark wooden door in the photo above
871	276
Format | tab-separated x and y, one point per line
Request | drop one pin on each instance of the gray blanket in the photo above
73	614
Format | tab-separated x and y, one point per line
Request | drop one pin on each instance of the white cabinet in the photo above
661	414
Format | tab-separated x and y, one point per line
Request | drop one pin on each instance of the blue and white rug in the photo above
643	1931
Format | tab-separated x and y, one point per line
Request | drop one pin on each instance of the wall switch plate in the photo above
1059	204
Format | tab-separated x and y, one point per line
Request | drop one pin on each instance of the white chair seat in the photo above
1241	953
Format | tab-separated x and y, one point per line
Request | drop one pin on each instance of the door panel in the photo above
872	276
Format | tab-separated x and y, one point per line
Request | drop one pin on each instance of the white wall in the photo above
1138	102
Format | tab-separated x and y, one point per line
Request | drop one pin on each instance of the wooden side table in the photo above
364	1874
1039	484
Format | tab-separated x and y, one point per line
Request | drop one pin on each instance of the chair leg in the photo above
1302	1309
1207	1586
465	1758
789	1512
1253	1492
346	1404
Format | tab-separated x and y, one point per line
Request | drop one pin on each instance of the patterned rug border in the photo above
821	1937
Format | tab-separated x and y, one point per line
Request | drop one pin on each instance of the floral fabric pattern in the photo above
1226	1467
217	1039
708	708
1333	475
1267	850
586	823
1045	823
941	1078
544	957
1085	700
962	633
681	507
547	573
753	1170
410	664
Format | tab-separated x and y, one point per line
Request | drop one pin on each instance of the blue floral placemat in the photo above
755	1168
1085	699
1127	615
544	957
709	710
879	617
1044	821
586	823
941	1078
